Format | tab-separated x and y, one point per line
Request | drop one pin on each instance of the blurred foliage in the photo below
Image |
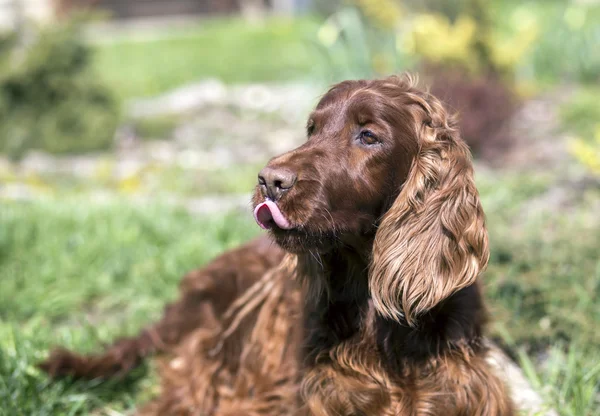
483	104
581	112
587	152
325	7
354	48
466	35
463	35
580	117
153	180
384	13
158	127
527	42
568	45
274	49
49	97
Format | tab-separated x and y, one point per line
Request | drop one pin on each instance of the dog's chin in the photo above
300	241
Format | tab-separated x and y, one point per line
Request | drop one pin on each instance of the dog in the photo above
364	296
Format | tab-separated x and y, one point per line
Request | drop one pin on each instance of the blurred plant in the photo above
352	47
438	40
568	45
580	114
484	105
384	37
587	152
580	117
325	7
384	14
159	127
473	40
49	98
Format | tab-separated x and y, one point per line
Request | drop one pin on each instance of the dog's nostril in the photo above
277	180
283	179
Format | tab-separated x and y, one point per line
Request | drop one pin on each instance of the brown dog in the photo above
381	225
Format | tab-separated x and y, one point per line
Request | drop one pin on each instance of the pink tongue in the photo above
268	213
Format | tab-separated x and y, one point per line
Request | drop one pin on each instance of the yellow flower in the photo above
435	38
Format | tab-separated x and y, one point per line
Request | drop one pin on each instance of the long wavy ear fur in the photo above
432	242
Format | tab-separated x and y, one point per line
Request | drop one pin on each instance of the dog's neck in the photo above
341	310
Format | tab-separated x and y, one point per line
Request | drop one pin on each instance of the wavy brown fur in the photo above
387	242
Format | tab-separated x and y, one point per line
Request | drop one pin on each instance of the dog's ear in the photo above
432	242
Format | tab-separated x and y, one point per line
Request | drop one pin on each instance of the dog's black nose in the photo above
276	181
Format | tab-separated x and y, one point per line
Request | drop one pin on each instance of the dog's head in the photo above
383	161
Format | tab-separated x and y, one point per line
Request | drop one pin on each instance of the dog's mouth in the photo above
268	216
295	238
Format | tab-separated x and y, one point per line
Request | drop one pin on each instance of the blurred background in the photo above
131	132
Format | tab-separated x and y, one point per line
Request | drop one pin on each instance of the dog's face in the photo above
337	185
384	170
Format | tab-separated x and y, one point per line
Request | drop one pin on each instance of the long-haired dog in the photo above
369	303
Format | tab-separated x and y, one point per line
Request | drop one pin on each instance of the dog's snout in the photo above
276	181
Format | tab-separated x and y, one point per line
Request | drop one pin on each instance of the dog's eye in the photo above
368	138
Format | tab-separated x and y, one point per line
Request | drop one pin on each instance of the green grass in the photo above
543	282
79	274
229	49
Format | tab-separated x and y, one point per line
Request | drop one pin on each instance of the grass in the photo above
153	180
543	282
77	274
229	49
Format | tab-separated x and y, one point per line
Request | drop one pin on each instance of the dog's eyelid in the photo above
368	132
367	138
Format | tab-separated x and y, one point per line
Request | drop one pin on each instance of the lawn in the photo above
231	50
79	274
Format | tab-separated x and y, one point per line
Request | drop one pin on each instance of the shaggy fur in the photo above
368	305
